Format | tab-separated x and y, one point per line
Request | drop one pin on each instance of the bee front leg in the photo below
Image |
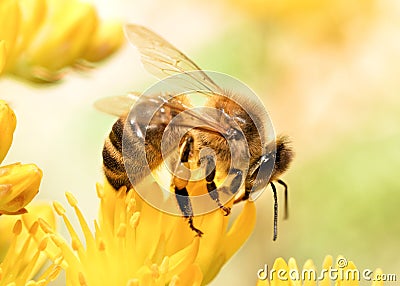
252	176
249	183
180	180
275	211
211	186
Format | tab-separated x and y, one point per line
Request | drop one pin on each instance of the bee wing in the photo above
120	105
204	118
162	59
117	105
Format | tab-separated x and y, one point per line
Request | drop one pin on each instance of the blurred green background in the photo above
328	73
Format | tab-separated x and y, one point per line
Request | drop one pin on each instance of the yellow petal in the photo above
191	276
7	127
295	276
6	226
241	229
212	268
217	244
184	258
27	243
34	13
10	16
263	282
32	16
2	56
35	211
210	258
106	40
377	278
19	184
279	273
326	265
63	39
311	274
348	275
45	212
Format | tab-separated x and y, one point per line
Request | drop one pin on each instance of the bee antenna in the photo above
286	215
275	211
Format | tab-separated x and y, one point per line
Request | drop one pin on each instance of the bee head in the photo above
283	157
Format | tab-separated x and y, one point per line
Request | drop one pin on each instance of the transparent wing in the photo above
162	59
196	118
117	105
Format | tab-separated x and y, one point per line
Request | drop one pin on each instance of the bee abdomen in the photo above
114	170
112	157
113	163
116	134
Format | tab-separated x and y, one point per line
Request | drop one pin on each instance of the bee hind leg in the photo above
180	183
211	186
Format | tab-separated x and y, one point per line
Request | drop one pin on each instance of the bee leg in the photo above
286	214
242	198
275	211
180	183
211	186
236	181
246	195
251	177
182	197
236	177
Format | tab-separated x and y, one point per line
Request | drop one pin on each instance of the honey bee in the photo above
236	120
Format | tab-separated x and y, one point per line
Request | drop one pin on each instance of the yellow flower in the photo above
26	246
135	244
344	273
19	183
2	55
43	37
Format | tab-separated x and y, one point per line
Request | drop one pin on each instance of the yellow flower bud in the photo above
107	39
7	125
18	186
